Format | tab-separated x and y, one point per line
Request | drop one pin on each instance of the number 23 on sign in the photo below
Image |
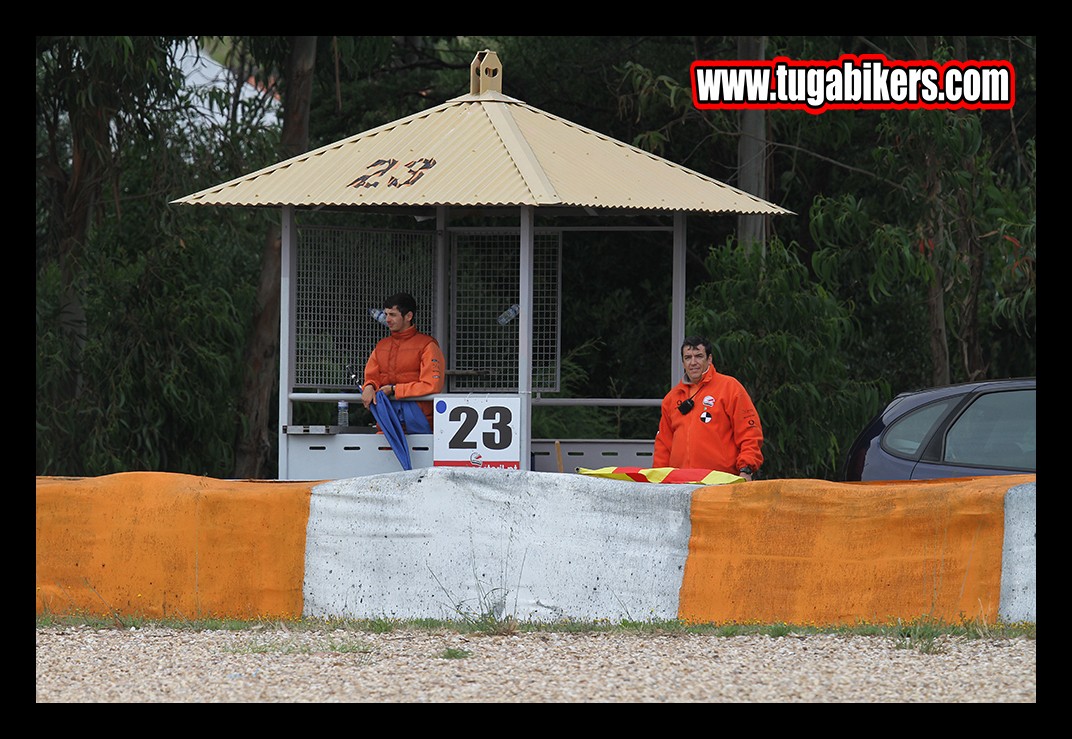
476	431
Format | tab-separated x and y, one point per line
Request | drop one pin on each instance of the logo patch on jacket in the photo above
705	417
709	401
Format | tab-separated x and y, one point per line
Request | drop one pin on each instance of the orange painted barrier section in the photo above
816	552
163	545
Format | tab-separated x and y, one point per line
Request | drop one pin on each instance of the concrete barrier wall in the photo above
819	553
539	546
1018	556
177	546
447	543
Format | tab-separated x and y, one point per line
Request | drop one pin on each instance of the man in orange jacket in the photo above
406	363
708	419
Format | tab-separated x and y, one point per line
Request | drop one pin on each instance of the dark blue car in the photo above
965	430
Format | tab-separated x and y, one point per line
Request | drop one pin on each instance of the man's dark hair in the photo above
696	342
404	302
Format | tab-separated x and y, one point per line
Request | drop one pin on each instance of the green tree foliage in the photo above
367	81
951	218
165	292
900	211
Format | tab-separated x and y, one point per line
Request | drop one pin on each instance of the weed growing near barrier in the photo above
924	634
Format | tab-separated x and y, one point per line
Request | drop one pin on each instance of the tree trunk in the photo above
254	444
79	191
939	344
933	235
971	250
752	154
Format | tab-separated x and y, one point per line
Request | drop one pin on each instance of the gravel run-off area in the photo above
83	664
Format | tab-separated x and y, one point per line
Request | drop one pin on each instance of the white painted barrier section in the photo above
1018	584
447	543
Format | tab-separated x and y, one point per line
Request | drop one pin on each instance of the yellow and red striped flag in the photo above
669	475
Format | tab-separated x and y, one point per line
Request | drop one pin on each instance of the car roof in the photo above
912	398
960	388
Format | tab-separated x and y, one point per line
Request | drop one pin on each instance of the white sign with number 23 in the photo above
476	431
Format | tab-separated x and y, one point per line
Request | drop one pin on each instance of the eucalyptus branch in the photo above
820	157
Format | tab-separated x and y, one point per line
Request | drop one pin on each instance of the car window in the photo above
996	430
906	435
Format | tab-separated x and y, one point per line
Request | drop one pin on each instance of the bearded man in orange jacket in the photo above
406	363
708	419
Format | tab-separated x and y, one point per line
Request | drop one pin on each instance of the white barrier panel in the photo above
448	543
1018	556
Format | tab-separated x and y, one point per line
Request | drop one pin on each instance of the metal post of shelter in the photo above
288	262
677	322
442	311
524	368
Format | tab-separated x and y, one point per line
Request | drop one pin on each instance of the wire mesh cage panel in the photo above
341	275
484	330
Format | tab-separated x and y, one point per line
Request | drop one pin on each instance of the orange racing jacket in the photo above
410	361
722	432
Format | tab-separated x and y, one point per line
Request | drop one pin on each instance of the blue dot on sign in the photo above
441	406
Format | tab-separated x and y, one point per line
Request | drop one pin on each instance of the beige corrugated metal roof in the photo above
483	149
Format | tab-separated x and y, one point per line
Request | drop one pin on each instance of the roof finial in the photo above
485	73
